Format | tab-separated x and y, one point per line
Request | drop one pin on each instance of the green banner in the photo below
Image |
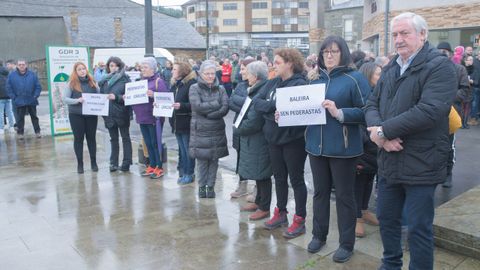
60	62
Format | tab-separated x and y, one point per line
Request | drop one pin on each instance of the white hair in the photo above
207	64
258	69
151	62
417	21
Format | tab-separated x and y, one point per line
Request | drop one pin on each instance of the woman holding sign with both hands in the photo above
118	118
333	147
81	81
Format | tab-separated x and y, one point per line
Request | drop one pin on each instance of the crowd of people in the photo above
387	121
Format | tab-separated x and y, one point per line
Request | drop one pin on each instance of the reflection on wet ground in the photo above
53	218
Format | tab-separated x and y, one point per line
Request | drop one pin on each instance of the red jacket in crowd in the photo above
226	73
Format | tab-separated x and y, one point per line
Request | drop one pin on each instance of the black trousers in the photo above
363	191
84	126
115	146
288	160
264	194
22	111
451	154
341	172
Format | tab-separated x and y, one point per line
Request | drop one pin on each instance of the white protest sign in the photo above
136	93
133	75
163	104
95	104
244	109
301	105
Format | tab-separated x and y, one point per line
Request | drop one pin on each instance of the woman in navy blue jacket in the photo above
333	147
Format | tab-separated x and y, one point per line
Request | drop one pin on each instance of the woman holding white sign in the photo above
118	118
286	144
144	117
333	147
83	126
208	141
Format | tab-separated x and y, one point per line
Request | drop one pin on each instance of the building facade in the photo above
251	24
344	18
454	21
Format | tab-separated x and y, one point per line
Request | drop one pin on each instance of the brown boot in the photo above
249	207
359	229
369	218
259	214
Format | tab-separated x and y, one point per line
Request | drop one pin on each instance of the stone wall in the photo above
334	23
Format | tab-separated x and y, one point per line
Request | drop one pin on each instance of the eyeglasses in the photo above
331	52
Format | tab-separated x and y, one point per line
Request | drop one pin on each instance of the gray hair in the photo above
150	62
417	21
207	64
258	69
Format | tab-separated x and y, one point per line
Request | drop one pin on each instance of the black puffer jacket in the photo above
265	104
118	113
207	128
180	121
414	107
3	83
235	104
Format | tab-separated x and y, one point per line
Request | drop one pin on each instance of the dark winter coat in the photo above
180	121
144	112
414	107
71	96
235	104
3	83
118	113
265	104
254	162
349	90
23	89
207	128
464	91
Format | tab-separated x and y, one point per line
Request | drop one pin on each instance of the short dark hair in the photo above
236	54
10	61
117	62
345	58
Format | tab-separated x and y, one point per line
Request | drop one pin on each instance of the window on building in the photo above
293	4
230	6
278	4
259	21
348	30
373	6
293	20
276	20
229	21
304	20
259	5
191	9
303	4
287	27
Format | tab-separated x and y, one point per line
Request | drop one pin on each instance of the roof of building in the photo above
96	22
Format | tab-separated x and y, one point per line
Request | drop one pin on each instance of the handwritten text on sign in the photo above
95	104
136	92
163	104
301	105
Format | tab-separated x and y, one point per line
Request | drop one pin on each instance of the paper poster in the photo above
136	93
95	104
244	109
301	105
163	104
60	61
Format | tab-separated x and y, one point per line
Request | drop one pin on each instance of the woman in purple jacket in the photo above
148	123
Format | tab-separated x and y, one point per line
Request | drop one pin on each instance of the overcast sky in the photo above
167	3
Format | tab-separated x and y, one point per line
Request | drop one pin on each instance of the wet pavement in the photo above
53	218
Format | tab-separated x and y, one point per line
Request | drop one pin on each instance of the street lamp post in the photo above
148	29
208	27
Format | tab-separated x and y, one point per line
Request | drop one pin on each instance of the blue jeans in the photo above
418	201
185	162
6	107
149	134
475	103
